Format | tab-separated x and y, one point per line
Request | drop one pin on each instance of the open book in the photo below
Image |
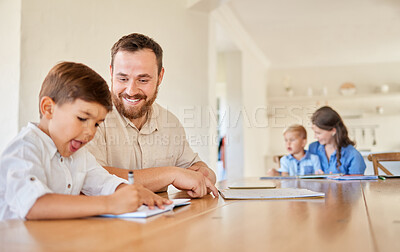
144	211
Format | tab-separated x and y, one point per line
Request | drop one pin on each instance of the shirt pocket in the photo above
168	161
308	169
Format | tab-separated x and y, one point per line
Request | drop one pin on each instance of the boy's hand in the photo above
319	172
195	183
128	198
124	200
273	172
151	199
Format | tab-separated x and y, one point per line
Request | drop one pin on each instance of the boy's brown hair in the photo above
135	42
68	81
297	128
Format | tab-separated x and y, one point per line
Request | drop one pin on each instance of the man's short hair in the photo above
297	128
68	81
135	42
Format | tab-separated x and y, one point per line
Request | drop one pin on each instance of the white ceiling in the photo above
300	33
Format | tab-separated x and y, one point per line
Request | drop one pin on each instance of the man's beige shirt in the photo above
160	142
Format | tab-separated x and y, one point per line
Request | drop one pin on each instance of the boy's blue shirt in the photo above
351	160
309	164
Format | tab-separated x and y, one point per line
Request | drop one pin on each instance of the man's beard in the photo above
133	112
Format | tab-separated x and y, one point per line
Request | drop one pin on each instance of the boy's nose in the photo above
90	132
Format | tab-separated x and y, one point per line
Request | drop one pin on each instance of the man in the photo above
141	134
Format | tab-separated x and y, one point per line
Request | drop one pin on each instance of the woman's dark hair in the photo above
326	118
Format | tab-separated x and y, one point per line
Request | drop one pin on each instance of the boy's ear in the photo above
304	142
47	107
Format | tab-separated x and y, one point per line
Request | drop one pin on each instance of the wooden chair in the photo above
277	159
376	158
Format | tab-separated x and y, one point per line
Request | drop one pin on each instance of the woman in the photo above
334	148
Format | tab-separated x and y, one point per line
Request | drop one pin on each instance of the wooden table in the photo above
354	216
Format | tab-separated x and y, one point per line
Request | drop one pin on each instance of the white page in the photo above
252	184
281	193
144	211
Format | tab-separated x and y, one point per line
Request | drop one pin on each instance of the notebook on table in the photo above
280	193
252	185
144	211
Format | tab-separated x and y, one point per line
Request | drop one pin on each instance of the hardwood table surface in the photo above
353	216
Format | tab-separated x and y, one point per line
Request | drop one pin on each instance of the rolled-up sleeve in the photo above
25	180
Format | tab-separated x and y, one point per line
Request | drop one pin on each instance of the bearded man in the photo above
139	134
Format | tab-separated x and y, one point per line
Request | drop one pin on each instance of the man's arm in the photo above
157	178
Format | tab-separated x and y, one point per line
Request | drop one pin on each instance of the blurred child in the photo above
44	169
299	161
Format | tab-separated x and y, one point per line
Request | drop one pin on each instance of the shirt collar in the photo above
306	156
49	144
149	126
321	149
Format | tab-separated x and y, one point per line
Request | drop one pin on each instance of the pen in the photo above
381	177
130	177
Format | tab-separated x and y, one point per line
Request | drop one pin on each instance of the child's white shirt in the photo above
31	167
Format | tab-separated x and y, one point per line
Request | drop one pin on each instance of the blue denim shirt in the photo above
351	159
309	164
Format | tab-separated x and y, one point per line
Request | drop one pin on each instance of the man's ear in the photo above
160	76
47	107
111	71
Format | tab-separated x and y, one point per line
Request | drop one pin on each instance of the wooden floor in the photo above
354	216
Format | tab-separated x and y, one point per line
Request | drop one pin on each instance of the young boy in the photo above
43	170
299	161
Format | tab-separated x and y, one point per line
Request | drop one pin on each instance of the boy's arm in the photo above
156	178
284	166
127	198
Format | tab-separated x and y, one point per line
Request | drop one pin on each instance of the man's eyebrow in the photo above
144	75
121	74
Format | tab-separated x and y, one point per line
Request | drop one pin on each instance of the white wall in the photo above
256	138
10	34
232	117
253	94
84	31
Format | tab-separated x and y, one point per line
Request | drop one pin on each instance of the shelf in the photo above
331	98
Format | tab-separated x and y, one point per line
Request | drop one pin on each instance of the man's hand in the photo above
194	182
205	170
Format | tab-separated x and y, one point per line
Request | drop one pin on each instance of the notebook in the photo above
353	177
311	176
144	211
252	185
280	193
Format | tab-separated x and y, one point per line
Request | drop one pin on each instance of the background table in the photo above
354	216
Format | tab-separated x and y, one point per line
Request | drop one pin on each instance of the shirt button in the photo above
32	179
69	186
62	159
